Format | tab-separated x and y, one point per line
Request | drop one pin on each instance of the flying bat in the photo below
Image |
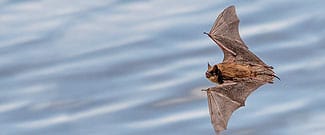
240	73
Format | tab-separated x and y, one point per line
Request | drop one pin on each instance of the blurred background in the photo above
110	67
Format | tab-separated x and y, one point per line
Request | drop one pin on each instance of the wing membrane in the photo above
224	99
225	34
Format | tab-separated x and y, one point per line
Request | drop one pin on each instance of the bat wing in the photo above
224	99
225	34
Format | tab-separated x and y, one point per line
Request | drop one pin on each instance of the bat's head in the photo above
214	74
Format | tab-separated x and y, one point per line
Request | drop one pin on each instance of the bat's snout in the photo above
207	75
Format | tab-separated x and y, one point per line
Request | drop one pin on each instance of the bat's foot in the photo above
265	73
270	67
276	76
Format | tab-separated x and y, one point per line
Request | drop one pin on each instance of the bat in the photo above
239	74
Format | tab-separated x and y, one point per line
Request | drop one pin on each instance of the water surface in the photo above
137	67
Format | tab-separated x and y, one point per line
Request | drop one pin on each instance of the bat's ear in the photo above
216	68
209	66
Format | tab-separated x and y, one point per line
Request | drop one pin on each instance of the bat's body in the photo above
234	71
227	71
240	73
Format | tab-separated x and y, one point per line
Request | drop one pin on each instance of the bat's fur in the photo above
233	71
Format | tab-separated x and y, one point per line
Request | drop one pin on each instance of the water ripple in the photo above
177	117
137	67
64	118
5	107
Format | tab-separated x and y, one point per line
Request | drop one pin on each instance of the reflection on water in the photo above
137	67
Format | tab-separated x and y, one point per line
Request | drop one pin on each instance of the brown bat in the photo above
240	73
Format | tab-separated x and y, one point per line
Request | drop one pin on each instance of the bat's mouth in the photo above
207	75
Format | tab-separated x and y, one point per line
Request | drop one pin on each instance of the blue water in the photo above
137	67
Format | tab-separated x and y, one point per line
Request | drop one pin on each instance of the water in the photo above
137	67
